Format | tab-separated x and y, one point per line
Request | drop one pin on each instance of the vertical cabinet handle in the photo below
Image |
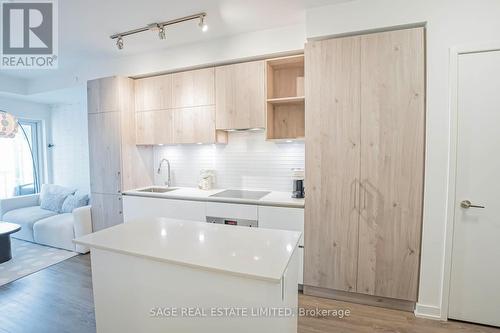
364	197
118	178
355	193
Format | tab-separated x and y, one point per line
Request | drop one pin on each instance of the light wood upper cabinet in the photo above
153	93
103	95
332	163
194	125
392	168
193	88
154	127
240	95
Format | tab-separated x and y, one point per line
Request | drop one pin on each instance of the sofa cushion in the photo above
56	231
26	217
74	201
52	196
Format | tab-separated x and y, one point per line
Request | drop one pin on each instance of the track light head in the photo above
203	25
119	43
161	32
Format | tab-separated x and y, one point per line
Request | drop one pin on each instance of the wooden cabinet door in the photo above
240	95
392	162
154	127
153	93
193	88
103	95
332	163
106	210
105	152
194	125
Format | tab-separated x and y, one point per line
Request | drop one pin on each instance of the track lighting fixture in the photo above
119	43
161	28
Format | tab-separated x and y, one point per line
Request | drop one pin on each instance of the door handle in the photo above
467	204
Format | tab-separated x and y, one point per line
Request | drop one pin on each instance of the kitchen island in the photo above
167	275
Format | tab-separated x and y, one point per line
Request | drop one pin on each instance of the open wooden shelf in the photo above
285	111
286	100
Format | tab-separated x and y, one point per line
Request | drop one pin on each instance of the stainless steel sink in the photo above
158	189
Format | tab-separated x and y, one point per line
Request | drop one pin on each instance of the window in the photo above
19	172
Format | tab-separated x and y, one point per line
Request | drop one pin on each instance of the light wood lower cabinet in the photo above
106	210
332	163
392	166
105	152
364	163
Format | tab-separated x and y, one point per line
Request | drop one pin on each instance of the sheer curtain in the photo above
17	174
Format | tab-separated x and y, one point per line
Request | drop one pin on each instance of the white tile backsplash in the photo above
247	161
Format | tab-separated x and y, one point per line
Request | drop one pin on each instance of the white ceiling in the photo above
85	25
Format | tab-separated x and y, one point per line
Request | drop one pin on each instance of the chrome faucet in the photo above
167	183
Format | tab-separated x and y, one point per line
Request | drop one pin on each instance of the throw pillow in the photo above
52	197
74	201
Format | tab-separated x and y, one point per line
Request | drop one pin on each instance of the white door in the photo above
475	272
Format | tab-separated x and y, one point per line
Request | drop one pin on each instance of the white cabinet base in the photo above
130	290
283	218
135	207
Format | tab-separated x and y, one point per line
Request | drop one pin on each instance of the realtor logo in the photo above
29	38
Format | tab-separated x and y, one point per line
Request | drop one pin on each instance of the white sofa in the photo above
45	226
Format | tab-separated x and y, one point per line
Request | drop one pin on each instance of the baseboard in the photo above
345	296
428	312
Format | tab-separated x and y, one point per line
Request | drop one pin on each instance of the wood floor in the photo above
59	299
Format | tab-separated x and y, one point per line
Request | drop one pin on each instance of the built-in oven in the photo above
233	221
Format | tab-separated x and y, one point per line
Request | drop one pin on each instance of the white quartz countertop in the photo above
250	252
274	198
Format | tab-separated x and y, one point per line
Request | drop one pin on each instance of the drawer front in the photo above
282	218
146	207
247	212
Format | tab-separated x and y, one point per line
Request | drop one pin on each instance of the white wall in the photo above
33	111
216	51
449	23
70	154
247	161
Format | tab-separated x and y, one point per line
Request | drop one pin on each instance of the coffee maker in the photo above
298	183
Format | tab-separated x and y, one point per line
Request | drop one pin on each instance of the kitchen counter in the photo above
274	198
252	252
190	269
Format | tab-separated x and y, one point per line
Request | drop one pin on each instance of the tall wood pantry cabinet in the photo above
116	163
365	118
